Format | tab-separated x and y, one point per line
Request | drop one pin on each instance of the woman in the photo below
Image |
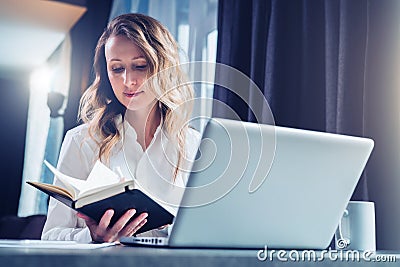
135	118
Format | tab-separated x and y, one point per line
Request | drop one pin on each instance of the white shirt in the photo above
153	170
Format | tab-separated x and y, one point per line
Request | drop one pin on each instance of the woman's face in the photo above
127	70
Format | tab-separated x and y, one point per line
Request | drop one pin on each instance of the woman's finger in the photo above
163	227
89	221
137	228
135	225
122	221
102	228
81	215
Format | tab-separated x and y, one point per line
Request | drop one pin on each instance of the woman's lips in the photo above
132	94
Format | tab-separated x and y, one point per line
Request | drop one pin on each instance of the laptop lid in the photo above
254	185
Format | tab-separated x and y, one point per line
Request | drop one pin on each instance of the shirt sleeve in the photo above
62	222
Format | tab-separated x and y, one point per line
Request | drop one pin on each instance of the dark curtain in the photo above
326	66
84	36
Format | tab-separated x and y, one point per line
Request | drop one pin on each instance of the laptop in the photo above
255	185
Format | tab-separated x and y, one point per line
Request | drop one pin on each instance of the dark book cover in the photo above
130	199
120	203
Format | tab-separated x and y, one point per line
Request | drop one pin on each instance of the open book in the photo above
104	190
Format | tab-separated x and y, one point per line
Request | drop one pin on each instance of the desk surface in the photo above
142	256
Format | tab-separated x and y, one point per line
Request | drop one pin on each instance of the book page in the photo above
73	185
52	188
100	177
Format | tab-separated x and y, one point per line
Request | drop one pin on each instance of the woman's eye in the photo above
117	70
141	67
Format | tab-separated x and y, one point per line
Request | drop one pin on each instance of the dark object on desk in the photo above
14	227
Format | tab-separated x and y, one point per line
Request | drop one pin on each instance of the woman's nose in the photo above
130	78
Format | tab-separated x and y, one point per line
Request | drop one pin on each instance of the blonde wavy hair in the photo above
99	107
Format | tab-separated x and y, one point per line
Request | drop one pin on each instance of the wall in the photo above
14	95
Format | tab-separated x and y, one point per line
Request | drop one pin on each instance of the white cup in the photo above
356	230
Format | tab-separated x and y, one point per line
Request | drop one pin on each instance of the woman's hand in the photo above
163	227
101	232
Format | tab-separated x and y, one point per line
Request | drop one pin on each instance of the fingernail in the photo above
145	215
132	212
110	212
